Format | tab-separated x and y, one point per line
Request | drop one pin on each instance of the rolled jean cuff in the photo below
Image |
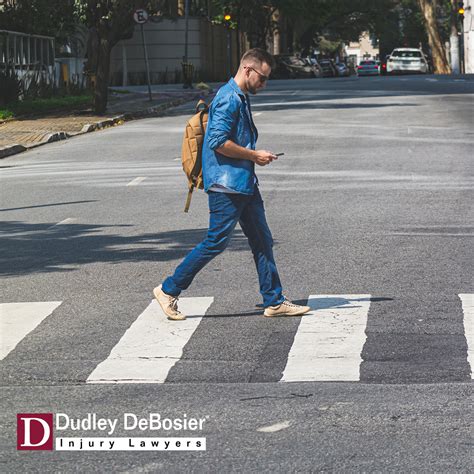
277	302
170	288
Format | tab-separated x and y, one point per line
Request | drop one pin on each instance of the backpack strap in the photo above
201	108
198	165
188	199
201	105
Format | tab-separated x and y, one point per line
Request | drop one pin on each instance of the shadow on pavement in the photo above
45	205
39	248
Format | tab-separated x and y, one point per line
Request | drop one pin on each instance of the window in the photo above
406	54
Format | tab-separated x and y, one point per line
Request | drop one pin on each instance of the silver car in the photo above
407	60
368	67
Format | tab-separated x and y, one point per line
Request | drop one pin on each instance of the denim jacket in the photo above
230	118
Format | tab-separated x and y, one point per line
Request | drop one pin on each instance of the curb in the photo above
153	111
11	150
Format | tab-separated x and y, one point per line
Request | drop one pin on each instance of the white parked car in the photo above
407	60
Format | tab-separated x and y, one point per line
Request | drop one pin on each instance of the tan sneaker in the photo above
169	304
287	308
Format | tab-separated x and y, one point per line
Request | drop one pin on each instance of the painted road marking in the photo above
467	300
274	428
329	340
136	181
19	319
69	220
256	114
152	345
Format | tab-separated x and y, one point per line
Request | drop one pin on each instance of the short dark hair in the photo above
259	55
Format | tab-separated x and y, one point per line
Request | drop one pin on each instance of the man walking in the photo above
229	158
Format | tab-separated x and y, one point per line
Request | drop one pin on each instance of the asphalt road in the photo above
372	197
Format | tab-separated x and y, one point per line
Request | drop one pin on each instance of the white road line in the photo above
467	300
329	340
136	181
19	319
256	114
431	80
274	428
151	346
431	234
67	221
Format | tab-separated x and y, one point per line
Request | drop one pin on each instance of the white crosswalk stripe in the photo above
329	340
327	345
467	300
151	346
17	320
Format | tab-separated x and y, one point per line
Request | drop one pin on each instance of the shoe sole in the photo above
155	291
282	315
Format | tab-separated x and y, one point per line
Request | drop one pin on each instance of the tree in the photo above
400	23
42	17
440	61
110	21
335	20
339	20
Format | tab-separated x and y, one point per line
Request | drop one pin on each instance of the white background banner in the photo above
130	444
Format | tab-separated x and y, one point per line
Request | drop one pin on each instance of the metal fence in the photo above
32	56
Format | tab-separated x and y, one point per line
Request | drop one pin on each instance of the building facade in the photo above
365	48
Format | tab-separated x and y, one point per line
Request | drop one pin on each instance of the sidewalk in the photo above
22	134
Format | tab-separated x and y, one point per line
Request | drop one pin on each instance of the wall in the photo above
469	37
165	44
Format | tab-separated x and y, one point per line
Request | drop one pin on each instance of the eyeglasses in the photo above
263	78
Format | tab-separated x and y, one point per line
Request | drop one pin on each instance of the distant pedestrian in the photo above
229	158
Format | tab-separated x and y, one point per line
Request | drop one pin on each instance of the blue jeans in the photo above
225	211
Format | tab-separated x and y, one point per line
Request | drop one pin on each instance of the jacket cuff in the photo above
217	141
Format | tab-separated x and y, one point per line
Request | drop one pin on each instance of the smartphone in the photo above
279	154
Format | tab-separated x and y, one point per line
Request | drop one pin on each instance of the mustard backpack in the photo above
191	151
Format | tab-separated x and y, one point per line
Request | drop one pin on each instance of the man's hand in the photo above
263	157
232	150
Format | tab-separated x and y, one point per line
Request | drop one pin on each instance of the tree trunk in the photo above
440	62
102	77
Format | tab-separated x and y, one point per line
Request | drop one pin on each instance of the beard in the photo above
250	89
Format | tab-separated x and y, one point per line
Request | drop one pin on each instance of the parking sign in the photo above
140	16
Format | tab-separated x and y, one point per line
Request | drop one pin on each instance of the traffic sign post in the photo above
141	17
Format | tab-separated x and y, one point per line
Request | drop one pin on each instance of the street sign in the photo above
140	16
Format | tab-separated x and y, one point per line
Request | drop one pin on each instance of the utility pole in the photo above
454	38
187	67
461	10
141	17
186	30
227	24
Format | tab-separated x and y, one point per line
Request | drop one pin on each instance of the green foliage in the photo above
38	87
113	19
5	114
394	22
40	106
336	20
42	17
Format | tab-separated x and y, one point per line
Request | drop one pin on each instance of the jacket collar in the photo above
235	87
246	101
